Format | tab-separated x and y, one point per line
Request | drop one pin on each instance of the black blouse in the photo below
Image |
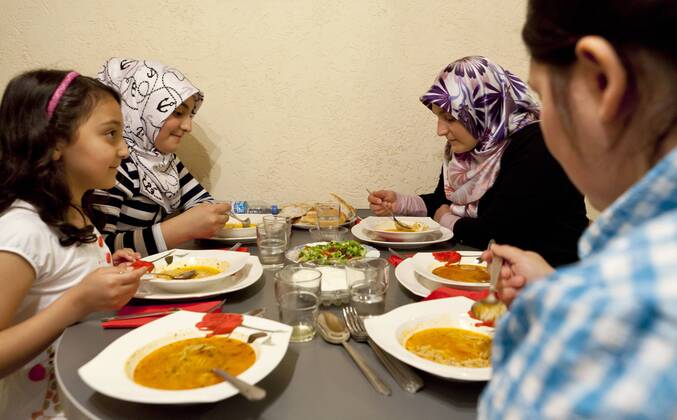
532	204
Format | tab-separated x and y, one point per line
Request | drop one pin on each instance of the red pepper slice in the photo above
447	256
219	323
141	264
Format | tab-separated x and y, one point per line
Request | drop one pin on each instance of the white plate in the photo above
391	330
110	371
247	276
292	254
365	235
405	274
230	261
241	233
425	263
383	228
245	240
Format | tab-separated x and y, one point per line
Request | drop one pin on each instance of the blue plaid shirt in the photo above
599	338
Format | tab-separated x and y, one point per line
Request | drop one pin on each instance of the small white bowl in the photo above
230	261
384	228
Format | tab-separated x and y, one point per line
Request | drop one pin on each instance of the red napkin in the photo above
446	292
357	220
395	260
240	249
137	322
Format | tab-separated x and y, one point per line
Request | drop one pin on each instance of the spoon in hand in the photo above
398	224
490	308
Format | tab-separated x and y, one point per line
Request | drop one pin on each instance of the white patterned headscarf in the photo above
150	92
492	104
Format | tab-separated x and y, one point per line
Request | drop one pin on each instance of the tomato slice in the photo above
447	256
219	323
141	264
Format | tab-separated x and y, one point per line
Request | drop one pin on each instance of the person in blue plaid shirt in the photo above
599	338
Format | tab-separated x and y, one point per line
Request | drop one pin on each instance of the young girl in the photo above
60	137
498	180
158	104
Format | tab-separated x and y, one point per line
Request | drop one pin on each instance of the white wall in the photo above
303	97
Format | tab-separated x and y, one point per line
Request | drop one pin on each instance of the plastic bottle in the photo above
259	207
240	207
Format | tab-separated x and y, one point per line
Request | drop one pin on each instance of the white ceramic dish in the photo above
229	261
292	254
384	228
310	226
391	330
424	264
366	235
248	275
407	277
240	232
110	371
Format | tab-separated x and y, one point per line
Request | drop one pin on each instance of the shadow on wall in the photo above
198	153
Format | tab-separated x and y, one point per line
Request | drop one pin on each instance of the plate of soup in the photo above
468	273
169	361
419	228
209	267
436	336
233	229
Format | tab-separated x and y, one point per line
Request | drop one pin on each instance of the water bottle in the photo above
259	207
240	207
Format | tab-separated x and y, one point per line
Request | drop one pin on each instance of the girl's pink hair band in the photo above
58	93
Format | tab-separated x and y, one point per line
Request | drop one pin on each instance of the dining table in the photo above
314	380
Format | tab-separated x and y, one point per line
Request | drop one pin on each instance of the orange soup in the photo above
187	364
469	273
451	346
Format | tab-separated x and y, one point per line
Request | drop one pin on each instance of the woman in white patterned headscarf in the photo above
498	180
158	106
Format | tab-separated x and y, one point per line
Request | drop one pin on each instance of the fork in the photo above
245	222
405	377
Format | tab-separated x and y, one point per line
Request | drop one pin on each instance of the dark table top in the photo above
314	379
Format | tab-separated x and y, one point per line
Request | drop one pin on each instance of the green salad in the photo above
331	252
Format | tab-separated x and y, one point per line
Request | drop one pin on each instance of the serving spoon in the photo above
249	391
334	331
490	308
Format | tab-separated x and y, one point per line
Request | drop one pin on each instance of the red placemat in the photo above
137	322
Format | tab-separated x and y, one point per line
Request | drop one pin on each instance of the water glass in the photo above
272	244
337	234
367	282
297	290
328	215
277	223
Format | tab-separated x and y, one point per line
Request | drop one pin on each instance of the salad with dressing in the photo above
331	252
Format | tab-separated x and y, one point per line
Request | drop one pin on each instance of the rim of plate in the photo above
358	232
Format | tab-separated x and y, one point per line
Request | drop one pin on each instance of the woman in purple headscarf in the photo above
498	180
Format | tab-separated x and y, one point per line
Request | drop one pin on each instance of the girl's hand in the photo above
125	255
106	288
203	220
519	268
441	211
381	202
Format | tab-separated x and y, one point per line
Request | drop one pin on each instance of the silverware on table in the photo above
249	391
405	376
216	307
334	331
235	247
141	315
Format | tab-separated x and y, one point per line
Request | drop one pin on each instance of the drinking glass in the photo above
328	215
367	283
277	222
297	290
272	244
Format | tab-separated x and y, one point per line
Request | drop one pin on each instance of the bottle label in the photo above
240	207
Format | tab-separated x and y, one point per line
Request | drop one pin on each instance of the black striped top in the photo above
128	219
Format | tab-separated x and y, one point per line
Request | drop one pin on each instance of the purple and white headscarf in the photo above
150	92
492	104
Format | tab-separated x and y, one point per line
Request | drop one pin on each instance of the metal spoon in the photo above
334	331
249	391
490	308
245	222
401	225
186	275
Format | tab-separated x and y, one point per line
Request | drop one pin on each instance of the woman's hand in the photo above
441	211
519	268
106	288
125	255
381	202
201	221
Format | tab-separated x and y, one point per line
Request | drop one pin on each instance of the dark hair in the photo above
641	32
28	140
553	27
